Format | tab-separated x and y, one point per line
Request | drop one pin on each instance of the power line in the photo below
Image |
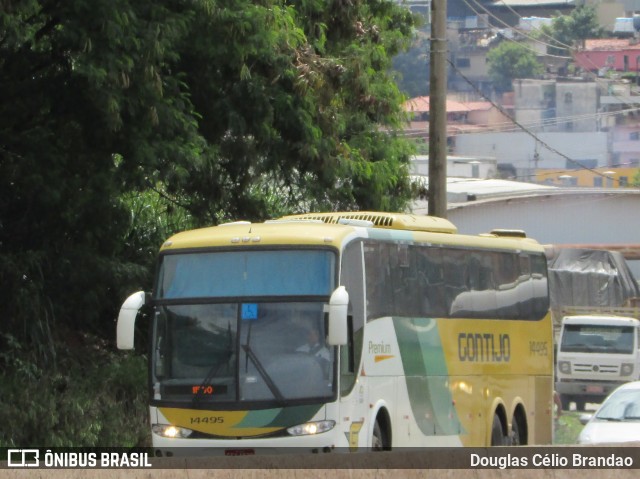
542	32
560	120
517	30
523	128
571	48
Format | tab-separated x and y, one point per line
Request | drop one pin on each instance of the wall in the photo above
518	148
576	99
579	217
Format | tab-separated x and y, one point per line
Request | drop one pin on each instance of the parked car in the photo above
616	420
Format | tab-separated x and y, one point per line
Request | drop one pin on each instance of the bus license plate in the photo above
239	452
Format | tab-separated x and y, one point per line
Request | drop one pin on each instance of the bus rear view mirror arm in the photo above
338	304
127	319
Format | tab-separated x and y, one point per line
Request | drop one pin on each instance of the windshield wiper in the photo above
263	372
213	371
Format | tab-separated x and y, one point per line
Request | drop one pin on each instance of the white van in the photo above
595	355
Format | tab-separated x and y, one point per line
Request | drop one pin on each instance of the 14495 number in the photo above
538	348
207	420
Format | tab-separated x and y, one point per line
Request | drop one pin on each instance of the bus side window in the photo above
353	279
429	262
456	275
525	288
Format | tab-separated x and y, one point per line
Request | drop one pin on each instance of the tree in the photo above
227	109
413	65
124	120
511	60
88	109
302	106
569	31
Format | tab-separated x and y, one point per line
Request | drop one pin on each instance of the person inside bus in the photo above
315	347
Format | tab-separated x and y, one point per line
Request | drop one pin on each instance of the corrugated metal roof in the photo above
488	187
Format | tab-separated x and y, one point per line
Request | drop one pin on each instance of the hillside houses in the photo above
578	129
609	54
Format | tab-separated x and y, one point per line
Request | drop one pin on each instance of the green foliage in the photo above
295	107
510	60
568	31
154	216
413	65
90	401
124	121
567	428
422	146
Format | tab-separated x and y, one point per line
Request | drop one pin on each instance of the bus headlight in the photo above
564	367
166	430
308	428
626	369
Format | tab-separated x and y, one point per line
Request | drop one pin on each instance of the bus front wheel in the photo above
379	440
497	435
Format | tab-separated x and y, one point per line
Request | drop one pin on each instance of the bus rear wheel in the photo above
514	439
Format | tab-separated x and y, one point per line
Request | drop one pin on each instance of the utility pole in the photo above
437	194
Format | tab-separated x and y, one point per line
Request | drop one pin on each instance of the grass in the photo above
568	428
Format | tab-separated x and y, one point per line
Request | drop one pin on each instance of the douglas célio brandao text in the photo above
577	460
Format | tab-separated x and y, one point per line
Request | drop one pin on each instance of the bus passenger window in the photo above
353	279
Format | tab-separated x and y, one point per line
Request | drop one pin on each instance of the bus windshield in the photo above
224	332
246	273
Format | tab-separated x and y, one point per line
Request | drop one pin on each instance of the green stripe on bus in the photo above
279	417
427	377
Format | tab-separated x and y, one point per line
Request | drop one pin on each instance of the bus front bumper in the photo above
330	441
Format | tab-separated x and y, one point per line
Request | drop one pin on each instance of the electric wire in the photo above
539	30
535	40
526	130
571	48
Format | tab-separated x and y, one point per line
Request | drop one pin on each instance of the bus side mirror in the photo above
337	328
125	328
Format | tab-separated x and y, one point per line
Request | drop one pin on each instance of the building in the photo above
461	113
458	166
589	217
603	54
510	12
602	177
527	153
607	11
562	127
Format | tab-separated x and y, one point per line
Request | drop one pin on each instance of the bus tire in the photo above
514	437
381	438
497	435
566	402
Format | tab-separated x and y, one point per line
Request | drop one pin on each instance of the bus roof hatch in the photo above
399	221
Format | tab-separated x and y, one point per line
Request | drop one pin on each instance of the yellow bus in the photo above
347	331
